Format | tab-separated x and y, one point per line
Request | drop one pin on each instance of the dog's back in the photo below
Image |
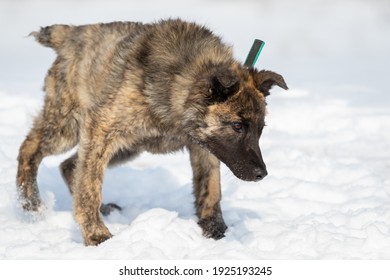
93	60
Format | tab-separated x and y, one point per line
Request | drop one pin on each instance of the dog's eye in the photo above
238	126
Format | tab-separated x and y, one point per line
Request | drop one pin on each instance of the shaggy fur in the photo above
122	88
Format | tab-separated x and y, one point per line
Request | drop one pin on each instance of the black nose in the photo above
260	173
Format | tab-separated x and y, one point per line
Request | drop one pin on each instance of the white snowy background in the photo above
326	146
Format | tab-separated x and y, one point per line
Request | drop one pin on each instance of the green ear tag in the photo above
254	53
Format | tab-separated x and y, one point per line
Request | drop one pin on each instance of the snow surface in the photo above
326	146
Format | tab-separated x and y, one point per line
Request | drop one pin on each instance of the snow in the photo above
326	146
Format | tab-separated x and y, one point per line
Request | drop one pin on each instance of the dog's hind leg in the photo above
30	156
67	168
55	130
45	138
207	191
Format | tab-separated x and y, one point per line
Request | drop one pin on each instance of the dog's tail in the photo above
53	36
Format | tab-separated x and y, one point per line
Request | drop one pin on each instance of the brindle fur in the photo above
121	88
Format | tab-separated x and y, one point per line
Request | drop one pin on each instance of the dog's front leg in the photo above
93	157
207	191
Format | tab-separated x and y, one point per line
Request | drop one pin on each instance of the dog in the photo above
121	88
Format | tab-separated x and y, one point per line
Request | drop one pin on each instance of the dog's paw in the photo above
106	209
99	235
28	195
30	204
213	227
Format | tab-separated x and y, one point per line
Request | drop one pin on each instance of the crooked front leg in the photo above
207	191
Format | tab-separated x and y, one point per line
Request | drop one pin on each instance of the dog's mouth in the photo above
249	174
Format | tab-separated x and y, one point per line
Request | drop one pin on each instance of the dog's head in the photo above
234	119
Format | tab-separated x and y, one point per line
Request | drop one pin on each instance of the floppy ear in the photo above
222	85
265	80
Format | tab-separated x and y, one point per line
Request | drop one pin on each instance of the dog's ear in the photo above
222	85
265	80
